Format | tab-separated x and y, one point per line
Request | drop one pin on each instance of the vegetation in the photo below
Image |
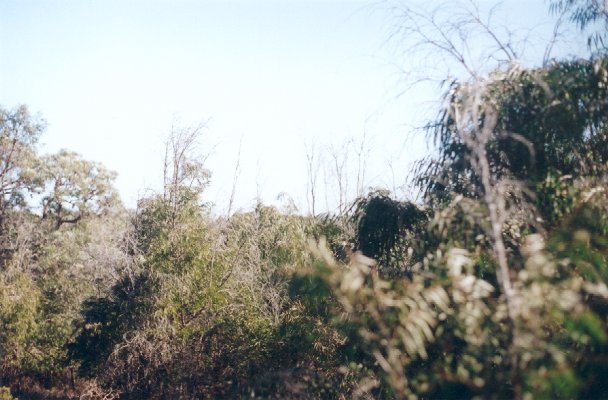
493	286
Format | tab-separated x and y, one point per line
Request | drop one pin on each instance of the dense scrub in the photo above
493	286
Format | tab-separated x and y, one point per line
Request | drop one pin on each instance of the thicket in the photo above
494	286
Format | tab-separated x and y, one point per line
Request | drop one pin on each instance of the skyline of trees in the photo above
493	284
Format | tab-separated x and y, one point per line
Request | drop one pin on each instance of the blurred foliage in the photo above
590	16
450	330
5	393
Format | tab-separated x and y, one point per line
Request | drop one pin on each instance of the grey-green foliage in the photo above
54	253
590	15
521	175
208	312
19	134
74	188
549	120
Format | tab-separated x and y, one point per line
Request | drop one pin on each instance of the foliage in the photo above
76	188
207	307
48	268
19	301
19	133
495	286
5	393
386	228
550	121
491	311
585	14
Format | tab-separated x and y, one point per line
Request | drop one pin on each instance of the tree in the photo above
549	120
509	297
75	188
184	174
19	133
386	229
587	14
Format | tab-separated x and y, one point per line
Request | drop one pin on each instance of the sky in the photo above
272	78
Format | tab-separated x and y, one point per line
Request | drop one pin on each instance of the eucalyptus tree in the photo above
509	297
74	188
19	134
590	16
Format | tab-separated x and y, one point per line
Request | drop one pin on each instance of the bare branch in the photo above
237	171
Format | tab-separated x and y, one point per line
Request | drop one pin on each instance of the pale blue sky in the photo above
110	77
